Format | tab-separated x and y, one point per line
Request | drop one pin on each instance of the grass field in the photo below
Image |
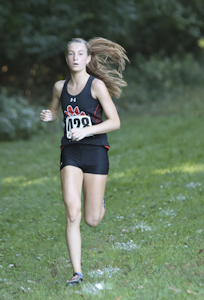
150	244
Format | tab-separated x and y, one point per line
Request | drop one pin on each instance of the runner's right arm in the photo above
51	114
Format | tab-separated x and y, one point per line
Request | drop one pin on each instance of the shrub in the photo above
159	77
18	119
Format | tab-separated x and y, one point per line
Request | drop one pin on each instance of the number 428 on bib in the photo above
77	122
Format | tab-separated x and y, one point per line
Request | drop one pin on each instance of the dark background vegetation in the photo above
163	39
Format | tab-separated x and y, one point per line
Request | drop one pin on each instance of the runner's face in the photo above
77	57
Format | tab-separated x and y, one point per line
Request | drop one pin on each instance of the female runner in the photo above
84	159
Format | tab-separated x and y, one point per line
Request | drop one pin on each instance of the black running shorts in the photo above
90	158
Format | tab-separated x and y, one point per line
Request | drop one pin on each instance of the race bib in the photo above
77	122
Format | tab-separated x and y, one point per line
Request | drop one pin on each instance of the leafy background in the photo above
163	39
34	34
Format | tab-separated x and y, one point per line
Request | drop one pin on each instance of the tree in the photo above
34	33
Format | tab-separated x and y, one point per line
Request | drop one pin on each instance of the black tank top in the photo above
82	104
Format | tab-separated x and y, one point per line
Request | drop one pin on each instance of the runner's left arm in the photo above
100	91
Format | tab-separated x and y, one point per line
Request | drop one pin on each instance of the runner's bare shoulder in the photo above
58	86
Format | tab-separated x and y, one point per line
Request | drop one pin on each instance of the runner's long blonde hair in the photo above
105	53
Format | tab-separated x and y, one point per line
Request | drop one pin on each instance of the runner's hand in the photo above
46	115
78	134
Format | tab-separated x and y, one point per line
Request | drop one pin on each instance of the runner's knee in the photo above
93	221
74	215
73	212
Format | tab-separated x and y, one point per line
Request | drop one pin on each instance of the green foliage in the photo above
18	119
164	72
149	246
168	25
160	77
46	27
43	28
37	33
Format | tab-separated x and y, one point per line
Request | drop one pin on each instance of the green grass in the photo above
149	245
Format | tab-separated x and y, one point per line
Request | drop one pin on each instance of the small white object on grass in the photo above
99	286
